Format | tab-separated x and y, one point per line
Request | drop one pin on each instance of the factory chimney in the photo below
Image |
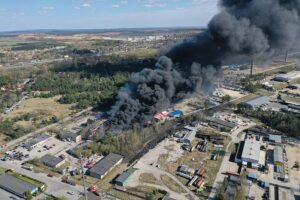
286	56
251	69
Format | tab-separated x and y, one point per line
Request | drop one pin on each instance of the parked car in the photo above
50	175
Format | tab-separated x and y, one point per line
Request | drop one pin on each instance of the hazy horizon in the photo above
104	14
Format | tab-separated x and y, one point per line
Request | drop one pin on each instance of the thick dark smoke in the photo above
243	30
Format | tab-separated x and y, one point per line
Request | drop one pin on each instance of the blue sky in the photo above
97	14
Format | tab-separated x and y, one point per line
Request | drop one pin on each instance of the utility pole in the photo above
286	56
84	186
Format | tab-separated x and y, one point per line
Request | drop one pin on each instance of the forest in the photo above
288	123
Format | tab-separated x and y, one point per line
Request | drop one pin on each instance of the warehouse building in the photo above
33	143
52	161
288	77
190	135
105	165
16	186
259	102
221	125
69	136
251	153
124	177
278	156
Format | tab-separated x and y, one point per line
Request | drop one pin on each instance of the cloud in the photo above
46	9
116	6
124	2
153	3
86	5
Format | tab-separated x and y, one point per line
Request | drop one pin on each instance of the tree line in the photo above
286	122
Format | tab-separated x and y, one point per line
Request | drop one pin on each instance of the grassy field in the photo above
292	99
171	184
42	107
149	178
143	53
263	92
296	81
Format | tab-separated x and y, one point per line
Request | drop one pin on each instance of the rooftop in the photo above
278	154
251	150
275	138
259	101
9	182
221	122
106	164
124	176
50	160
36	140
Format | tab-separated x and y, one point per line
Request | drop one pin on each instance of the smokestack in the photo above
286	56
251	69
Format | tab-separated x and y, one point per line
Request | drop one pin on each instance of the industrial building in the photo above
124	177
221	125
52	161
16	186
258	102
275	139
288	77
105	165
249	154
189	136
33	143
69	136
278	156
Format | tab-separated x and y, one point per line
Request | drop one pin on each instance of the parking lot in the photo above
51	146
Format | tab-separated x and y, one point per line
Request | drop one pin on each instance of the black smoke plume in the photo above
242	31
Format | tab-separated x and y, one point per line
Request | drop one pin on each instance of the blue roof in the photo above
176	113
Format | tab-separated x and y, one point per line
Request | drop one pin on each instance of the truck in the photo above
68	181
29	168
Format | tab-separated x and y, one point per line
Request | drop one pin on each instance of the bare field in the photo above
149	178
293	154
171	184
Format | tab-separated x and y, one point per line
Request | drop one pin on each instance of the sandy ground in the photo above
190	104
256	191
172	148
233	94
293	154
148	164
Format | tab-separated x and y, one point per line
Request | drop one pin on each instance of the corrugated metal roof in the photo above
275	138
278	154
124	176
259	101
36	140
106	164
19	187
221	122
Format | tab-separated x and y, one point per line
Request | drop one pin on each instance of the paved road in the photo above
220	177
54	184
